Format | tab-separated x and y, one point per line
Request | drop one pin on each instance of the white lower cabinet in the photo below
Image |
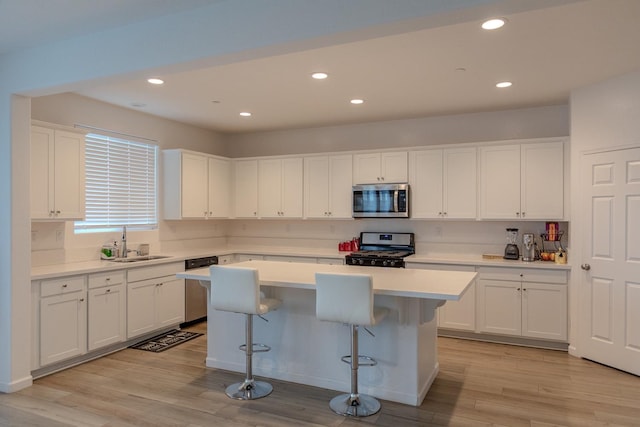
461	314
63	319
155	298
522	302
107	313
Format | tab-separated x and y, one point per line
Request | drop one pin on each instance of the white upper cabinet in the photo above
443	183
542	167
380	168
196	185
57	174
327	186
246	188
280	188
522	181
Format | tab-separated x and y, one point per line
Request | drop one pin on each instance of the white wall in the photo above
487	126
70	109
604	115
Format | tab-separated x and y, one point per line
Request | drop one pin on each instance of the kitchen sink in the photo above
140	258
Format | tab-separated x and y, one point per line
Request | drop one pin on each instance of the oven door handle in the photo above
396	194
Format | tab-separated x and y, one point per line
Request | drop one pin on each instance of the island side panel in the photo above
308	351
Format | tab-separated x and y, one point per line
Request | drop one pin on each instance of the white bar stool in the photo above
348	298
237	289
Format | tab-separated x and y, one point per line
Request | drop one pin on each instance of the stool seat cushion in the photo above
237	289
346	298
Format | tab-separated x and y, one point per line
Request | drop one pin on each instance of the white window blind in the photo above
120	185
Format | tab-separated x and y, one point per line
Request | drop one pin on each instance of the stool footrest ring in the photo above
257	348
362	360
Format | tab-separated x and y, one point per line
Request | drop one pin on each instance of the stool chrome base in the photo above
249	390
354	405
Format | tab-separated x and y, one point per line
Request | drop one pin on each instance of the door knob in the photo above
585	267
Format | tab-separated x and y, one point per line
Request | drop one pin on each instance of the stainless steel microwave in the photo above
381	201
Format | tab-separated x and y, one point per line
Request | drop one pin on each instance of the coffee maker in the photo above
528	247
511	250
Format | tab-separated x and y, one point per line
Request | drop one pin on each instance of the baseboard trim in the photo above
17	385
504	339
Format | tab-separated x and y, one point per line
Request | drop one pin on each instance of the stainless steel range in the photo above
382	250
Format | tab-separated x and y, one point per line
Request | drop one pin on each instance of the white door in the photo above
500	182
393	167
194	186
425	178
246	189
340	176
316	187
69	177
542	181
366	168
459	183
499	306
218	195
291	193
270	188
42	178
610	289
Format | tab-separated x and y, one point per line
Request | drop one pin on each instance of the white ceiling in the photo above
546	53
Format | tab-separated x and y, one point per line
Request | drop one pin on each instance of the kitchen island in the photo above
307	351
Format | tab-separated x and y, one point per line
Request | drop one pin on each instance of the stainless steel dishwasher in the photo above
195	298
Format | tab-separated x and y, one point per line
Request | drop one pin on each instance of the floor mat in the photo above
166	340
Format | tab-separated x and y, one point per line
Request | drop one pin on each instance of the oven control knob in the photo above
384	263
392	263
361	262
373	262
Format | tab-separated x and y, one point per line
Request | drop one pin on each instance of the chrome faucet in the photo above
123	248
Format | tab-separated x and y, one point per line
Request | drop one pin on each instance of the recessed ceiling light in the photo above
245	114
503	84
357	101
494	24
155	81
319	76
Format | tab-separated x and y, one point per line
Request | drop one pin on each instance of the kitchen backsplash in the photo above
54	243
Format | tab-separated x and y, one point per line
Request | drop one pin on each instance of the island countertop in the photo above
411	283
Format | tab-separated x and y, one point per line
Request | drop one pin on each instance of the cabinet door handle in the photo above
81	299
65	285
524	289
518	214
108	290
585	267
518	289
57	212
523	214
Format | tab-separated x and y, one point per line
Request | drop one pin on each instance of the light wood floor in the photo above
480	384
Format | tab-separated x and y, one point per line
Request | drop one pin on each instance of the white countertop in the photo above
412	283
87	267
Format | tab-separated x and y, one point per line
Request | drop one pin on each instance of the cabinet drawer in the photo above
61	286
106	279
523	274
155	271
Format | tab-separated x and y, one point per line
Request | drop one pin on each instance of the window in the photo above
120	185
